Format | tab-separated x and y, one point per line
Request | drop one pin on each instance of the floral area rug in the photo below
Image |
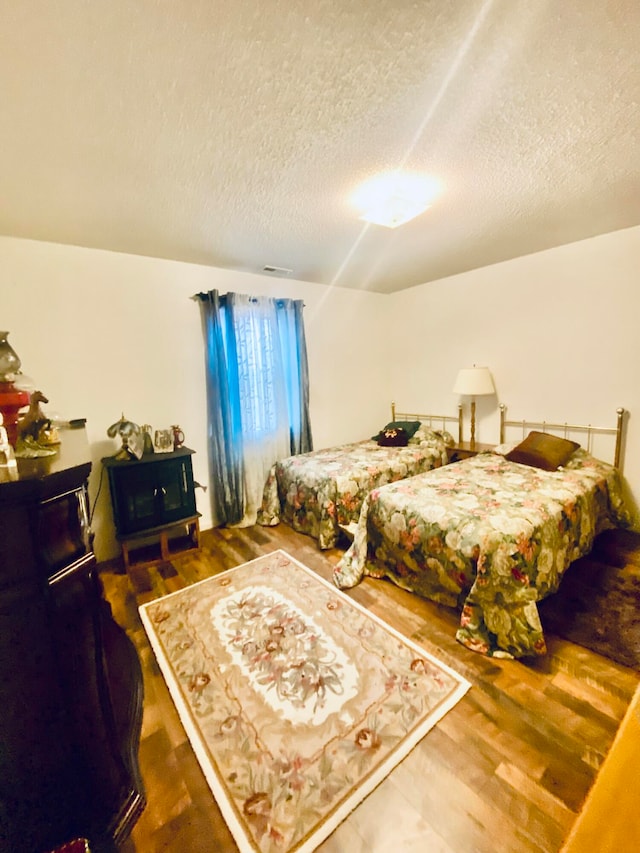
296	700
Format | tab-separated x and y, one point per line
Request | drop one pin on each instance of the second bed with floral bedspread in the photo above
486	535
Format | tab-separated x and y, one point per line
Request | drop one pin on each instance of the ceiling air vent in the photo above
276	270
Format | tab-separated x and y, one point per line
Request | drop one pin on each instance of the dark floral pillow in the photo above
393	437
410	427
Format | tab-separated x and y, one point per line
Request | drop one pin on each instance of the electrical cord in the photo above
95	501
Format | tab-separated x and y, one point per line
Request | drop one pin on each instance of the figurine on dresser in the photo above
36	435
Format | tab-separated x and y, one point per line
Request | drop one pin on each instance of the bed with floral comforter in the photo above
319	493
489	536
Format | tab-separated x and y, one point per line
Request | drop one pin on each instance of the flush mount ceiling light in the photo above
393	198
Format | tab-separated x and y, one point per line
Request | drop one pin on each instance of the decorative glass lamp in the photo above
131	436
474	382
12	399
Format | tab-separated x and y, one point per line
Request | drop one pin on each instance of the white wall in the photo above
558	329
104	334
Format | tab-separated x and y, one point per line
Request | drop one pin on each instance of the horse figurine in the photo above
34	419
35	433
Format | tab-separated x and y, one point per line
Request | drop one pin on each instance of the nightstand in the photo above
463	450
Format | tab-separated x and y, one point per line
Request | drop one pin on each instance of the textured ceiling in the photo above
231	133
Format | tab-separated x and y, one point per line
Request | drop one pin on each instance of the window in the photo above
258	395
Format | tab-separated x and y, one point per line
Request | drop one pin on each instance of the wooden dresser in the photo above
70	679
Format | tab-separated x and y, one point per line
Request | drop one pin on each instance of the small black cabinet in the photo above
152	495
149	492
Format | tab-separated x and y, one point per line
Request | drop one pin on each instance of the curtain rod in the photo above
197	296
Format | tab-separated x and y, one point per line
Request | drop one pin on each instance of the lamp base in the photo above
472	442
11	401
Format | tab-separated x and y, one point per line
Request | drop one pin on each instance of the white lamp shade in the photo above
474	382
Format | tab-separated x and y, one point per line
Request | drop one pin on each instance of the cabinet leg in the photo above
194	533
164	546
134	555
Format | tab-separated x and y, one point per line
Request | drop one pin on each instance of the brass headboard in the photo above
434	421
569	429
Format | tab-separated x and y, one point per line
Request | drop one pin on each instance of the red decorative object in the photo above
12	400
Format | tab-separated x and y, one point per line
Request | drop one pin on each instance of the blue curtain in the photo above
294	359
257	382
223	409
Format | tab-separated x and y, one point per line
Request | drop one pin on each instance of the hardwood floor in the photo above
507	769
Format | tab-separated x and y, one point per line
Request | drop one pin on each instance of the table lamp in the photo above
474	382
